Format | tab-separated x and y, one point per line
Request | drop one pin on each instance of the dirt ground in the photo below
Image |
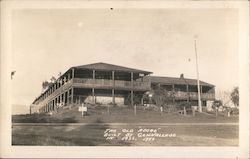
91	135
122	127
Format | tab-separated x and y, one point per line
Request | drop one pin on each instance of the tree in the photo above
52	79
164	98
45	84
136	99
217	104
235	96
224	96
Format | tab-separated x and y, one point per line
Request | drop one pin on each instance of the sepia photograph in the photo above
113	76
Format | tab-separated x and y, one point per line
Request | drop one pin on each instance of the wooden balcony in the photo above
56	93
194	95
111	84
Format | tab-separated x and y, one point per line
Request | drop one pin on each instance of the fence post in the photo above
108	110
184	111
193	111
135	109
216	112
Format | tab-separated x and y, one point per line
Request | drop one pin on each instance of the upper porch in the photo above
99	75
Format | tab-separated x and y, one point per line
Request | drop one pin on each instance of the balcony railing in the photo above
117	84
55	93
194	95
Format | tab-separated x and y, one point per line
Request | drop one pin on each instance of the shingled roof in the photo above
105	66
174	80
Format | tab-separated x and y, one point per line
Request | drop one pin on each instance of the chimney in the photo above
182	75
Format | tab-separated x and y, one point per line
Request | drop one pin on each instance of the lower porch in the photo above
107	96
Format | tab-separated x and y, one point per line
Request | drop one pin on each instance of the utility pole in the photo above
198	81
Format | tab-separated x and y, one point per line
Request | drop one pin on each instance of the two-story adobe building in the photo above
181	90
111	84
93	83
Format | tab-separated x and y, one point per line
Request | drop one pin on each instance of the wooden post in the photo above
64	79
93	95
228	113
59	83
113	90
72	96
68	76
216	112
188	93
173	90
73	73
64	98
184	111
82	110
135	109
142	101
93	89
193	111
113	96
132	92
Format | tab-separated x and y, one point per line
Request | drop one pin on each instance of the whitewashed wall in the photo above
105	100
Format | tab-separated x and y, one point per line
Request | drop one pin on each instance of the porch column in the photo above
67	97
56	84
60	82
72	95
93	88
201	95
68	76
113	90
132	92
73	73
187	88
64	79
64	98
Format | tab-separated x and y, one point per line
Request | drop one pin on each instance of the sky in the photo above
48	41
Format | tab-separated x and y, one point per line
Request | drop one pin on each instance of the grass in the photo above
121	115
41	118
91	134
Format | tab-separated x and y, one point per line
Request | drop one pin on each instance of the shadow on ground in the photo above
70	135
